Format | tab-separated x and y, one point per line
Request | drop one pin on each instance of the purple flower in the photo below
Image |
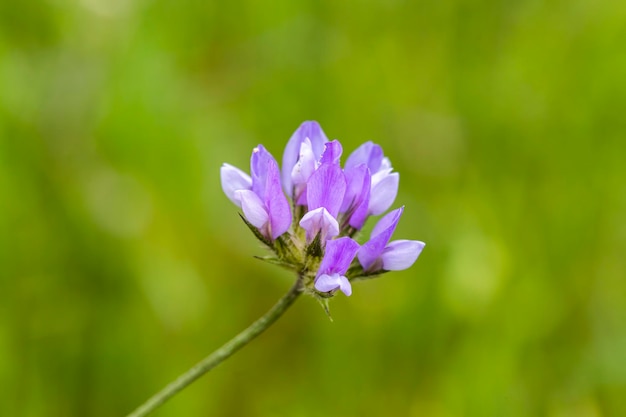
303	151
378	254
260	196
325	192
384	183
339	254
330	203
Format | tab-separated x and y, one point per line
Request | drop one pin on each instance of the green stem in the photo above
222	353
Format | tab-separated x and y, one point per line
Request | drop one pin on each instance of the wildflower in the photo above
259	196
330	205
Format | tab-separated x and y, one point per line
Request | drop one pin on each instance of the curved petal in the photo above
401	254
332	153
319	221
338	256
311	130
357	197
306	164
383	193
389	220
326	188
326	283
276	203
372	250
344	286
253	208
369	154
260	162
233	179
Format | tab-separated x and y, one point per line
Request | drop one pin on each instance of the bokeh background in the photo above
122	263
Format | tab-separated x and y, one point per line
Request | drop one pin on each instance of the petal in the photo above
356	199
383	193
259	165
319	221
326	283
369	154
311	130
401	254
326	188
372	250
385	164
275	201
389	220
253	208
233	179
306	164
338	256
344	286
332	153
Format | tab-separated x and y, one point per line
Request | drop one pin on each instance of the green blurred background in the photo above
122	263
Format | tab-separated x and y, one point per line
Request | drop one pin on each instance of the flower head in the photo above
330	204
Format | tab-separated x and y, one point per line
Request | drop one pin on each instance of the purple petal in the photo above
338	256
401	254
383	193
326	188
369	154
344	286
259	165
253	208
372	250
275	201
302	170
319	221
332	153
311	130
306	164
326	283
389	220
234	179
356	199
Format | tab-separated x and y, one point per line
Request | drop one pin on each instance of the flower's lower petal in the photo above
326	283
344	286
319	221
233	179
326	188
401	254
338	256
383	193
253	208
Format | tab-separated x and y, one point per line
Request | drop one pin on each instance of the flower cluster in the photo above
309	212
